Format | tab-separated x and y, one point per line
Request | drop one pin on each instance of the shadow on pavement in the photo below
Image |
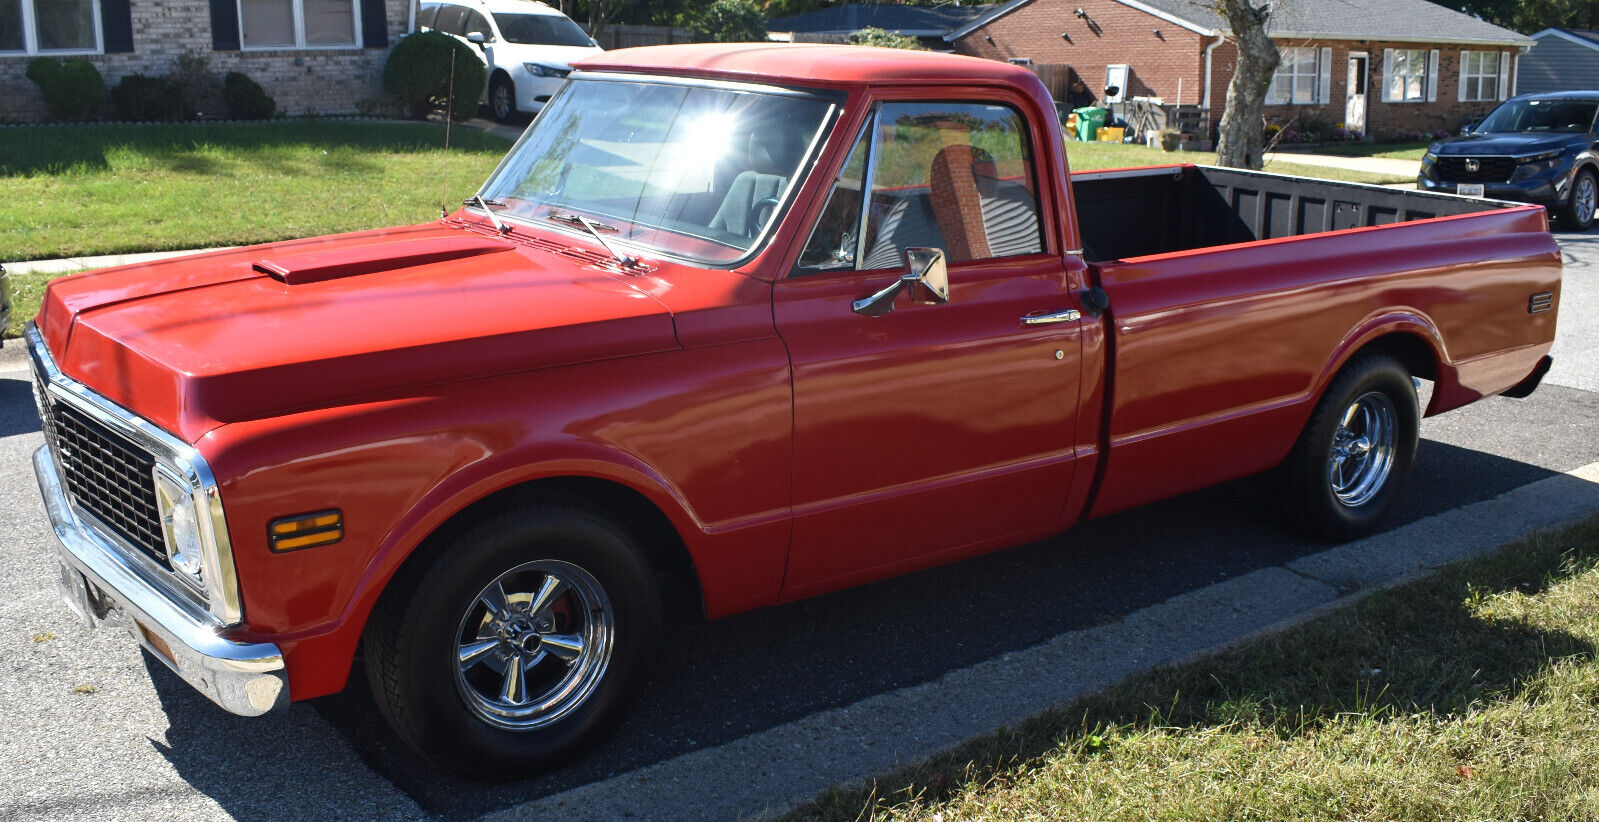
17	414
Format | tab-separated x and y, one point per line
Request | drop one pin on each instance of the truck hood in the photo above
193	342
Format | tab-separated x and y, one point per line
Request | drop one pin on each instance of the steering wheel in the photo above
762	212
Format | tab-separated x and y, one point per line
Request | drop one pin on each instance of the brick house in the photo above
322	56
1380	67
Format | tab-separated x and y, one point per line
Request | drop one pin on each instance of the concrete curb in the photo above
769	772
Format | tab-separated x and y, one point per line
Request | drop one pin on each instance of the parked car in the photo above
732	325
1537	148
528	48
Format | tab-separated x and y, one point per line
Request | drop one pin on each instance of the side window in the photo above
424	20
955	176
449	19
475	24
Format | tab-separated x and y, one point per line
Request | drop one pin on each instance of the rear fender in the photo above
1406	327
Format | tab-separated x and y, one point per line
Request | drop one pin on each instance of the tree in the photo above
1241	140
729	21
873	36
1531	16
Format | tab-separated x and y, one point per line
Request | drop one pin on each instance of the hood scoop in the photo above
347	261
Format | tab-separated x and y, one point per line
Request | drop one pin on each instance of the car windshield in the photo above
688	171
1562	116
541	30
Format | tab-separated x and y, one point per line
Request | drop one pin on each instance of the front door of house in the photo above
1355	108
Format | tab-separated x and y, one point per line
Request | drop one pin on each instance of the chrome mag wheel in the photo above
1362	453
534	645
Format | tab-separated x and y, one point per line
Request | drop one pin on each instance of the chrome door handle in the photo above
1070	315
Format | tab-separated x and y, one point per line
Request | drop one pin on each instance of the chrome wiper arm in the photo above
594	228
499	225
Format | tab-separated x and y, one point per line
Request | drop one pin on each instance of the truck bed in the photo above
1136	212
1235	296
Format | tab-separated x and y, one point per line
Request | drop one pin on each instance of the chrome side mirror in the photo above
477	38
926	277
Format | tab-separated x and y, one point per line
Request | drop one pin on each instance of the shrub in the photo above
873	36
1170	139
729	21
246	99
418	72
72	90
199	89
139	97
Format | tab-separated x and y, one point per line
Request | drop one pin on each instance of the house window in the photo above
1479	75
50	27
1295	80
1407	76
297	24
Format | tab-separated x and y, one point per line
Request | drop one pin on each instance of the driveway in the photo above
747	713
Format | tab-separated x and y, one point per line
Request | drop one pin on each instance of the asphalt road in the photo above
93	727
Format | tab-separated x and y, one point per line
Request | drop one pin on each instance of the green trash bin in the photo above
1089	121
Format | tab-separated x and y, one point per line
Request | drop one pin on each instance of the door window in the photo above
955	176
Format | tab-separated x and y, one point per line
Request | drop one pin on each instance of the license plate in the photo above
1469	189
75	590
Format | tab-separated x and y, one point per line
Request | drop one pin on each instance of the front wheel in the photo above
1578	212
520	645
1351	461
502	99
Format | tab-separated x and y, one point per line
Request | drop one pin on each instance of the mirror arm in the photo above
883	301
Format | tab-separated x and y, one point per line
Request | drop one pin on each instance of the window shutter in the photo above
1465	60
116	26
374	24
1432	76
1504	74
1324	84
1387	76
225	25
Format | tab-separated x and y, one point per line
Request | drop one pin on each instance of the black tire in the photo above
425	622
1331	486
502	99
1578	211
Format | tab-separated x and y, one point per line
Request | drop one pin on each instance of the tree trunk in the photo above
1240	142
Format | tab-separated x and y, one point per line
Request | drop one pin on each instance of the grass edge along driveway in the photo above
1472	694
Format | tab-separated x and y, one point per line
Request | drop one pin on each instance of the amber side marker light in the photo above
305	531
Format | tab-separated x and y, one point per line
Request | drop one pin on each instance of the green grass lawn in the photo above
107	189
1470	695
1093	156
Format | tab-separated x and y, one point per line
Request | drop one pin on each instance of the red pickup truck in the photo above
734	325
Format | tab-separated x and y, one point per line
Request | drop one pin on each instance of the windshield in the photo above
1559	116
541	30
689	171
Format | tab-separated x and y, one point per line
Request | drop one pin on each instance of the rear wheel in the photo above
520	645
1351	461
1578	212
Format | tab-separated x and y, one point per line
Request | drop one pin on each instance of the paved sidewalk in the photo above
1375	165
74	265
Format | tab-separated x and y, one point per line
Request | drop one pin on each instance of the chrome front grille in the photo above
1474	169
106	475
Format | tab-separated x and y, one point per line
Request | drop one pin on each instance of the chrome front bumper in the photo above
247	679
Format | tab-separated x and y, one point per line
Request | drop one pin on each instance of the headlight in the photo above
180	527
1428	157
538	70
1538	158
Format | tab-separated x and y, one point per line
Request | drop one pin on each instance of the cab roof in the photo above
808	64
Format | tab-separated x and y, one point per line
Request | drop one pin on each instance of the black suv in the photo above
1539	148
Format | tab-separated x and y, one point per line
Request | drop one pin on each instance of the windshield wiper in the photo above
594	229
488	208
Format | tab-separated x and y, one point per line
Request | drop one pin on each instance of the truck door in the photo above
935	428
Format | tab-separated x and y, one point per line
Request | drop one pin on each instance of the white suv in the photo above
528	48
